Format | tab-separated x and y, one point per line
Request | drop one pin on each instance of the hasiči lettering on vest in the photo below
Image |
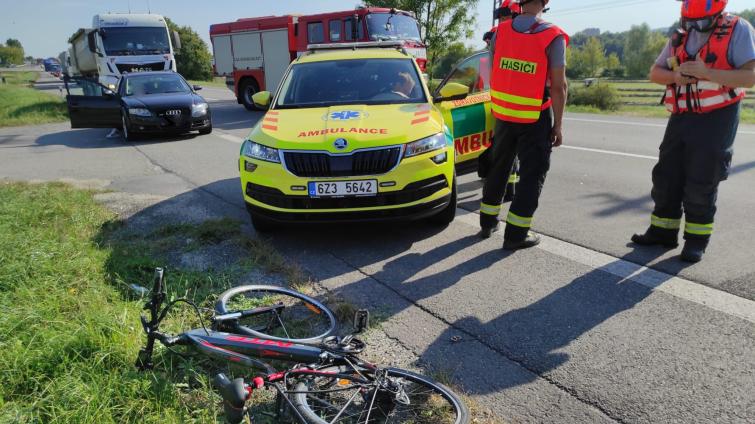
518	65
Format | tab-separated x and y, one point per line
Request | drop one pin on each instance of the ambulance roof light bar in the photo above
357	45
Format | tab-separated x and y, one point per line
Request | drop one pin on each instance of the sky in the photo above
43	26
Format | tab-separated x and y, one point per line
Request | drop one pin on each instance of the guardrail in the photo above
639	93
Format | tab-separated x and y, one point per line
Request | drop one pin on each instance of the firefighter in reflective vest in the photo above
509	9
528	93
705	66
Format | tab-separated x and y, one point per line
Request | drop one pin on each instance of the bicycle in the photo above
327	384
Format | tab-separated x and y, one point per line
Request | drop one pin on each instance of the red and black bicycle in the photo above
328	384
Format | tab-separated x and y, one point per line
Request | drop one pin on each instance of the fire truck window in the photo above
348	29
335	30
474	73
315	33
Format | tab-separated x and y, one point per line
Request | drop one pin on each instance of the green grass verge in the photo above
22	105
747	115
69	331
214	82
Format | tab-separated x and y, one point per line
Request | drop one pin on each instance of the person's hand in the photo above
556	137
696	68
681	80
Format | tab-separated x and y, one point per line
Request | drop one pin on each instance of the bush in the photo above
602	96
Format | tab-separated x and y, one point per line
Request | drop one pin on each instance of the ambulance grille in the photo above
366	162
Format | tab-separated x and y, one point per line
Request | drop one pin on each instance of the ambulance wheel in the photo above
447	215
248	89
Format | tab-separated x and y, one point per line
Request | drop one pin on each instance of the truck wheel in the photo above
248	89
447	215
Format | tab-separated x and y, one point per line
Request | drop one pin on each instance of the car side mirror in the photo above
262	99
108	93
176	42
92	42
451	91
196	87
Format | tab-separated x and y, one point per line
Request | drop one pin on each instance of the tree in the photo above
641	48
614	68
455	52
11	55
748	14
194	60
441	22
586	61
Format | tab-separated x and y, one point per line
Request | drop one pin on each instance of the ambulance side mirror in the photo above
451	91
262	100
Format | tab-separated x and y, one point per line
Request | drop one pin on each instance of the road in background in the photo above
559	333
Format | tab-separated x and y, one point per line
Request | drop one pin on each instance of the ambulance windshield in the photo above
352	81
387	26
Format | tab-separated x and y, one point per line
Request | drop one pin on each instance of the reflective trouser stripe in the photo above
519	221
665	223
514	178
698	229
490	209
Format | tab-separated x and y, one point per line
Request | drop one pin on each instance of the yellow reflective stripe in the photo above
698	229
519	221
525	114
490	209
514	178
666	223
511	98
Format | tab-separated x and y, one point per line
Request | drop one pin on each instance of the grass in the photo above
22	105
69	331
214	82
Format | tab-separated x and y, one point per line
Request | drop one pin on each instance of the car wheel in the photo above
206	130
447	215
248	89
128	135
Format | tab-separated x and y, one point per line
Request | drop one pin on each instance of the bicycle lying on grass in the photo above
328	384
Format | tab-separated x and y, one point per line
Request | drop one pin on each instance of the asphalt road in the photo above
576	330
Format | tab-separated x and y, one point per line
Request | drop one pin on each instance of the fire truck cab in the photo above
253	53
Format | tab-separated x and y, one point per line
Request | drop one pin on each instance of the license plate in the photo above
342	188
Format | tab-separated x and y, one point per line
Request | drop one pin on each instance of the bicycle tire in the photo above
455	412
326	324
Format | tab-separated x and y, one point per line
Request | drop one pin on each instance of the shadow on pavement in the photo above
96	138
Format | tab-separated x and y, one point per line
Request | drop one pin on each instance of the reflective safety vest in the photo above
706	96
520	71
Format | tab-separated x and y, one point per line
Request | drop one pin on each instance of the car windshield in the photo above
141	85
353	81
135	40
386	26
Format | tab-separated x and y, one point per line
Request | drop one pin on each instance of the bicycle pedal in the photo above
361	320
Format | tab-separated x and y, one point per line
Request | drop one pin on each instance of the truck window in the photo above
347	30
315	33
335	30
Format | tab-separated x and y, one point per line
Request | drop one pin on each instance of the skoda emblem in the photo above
340	143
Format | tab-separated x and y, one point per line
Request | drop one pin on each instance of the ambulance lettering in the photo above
473	142
325	131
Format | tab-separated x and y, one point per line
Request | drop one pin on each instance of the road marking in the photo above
654	280
635	123
243	121
610	152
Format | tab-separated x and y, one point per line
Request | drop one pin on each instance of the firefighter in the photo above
706	66
528	92
508	10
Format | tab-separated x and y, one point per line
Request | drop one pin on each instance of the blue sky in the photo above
43	26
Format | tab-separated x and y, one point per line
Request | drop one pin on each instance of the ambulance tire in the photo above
248	89
447	215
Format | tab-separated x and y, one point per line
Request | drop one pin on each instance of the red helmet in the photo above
698	9
512	5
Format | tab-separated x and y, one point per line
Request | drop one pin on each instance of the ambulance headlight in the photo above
254	150
429	144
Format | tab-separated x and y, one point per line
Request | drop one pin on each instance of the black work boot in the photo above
693	250
486	232
531	240
655	236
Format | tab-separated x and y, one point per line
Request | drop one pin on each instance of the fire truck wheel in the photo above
248	89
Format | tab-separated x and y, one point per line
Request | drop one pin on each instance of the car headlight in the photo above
435	142
198	110
139	111
259	151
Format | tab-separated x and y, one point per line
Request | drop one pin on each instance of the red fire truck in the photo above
253	53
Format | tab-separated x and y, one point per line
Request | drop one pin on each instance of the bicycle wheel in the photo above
288	315
385	397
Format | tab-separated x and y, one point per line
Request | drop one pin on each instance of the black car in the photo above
144	102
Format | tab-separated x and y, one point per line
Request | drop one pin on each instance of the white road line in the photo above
655	280
635	123
610	152
243	121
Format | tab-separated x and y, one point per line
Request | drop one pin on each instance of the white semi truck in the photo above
119	43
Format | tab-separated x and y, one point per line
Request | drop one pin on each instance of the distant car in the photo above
159	102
